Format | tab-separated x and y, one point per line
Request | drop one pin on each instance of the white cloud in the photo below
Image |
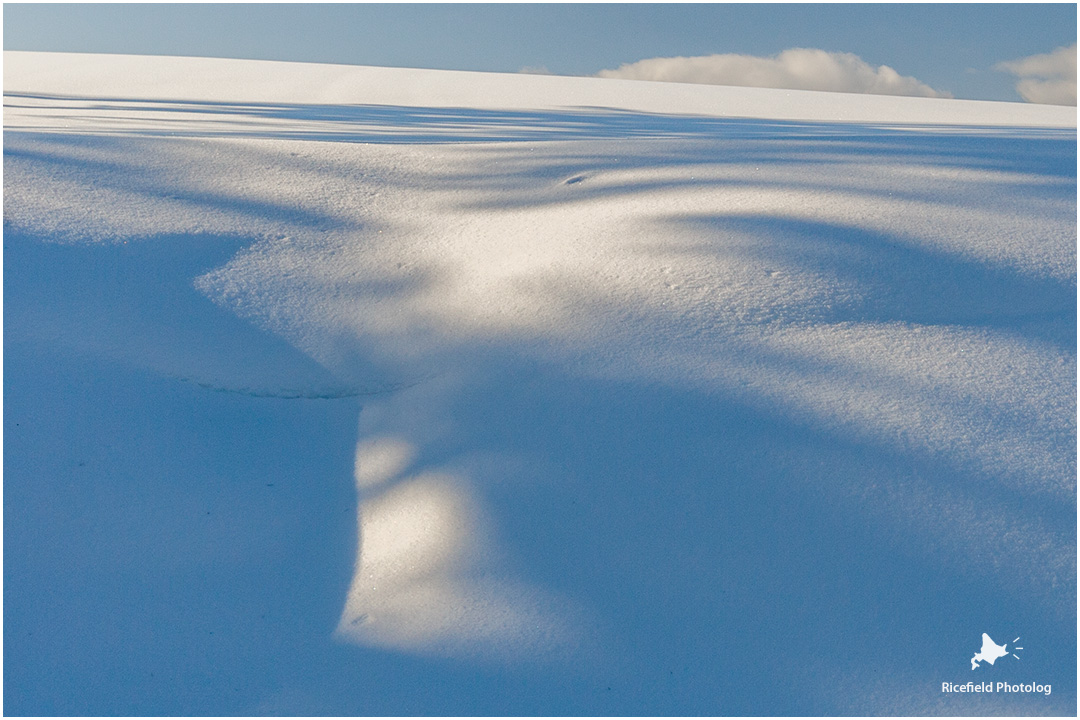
1049	78
794	69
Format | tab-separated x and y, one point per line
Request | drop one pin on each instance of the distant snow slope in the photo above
335	390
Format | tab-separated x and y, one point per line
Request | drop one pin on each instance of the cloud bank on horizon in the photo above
793	69
1049	78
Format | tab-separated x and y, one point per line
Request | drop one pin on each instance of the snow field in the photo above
708	410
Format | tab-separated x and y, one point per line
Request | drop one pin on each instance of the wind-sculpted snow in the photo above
532	410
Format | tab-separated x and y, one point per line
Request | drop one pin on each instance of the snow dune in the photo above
336	390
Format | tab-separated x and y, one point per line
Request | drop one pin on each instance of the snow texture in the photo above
359	391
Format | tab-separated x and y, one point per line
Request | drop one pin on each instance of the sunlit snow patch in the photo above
427	578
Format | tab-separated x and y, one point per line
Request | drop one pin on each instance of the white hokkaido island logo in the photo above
991	651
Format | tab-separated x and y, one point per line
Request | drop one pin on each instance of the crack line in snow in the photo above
285	394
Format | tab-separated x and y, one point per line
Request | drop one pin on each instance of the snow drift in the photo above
337	390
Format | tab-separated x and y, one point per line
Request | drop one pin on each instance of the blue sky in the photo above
951	48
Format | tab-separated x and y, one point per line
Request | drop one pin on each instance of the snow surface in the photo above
338	390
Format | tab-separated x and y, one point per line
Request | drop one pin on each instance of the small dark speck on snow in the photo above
574	180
